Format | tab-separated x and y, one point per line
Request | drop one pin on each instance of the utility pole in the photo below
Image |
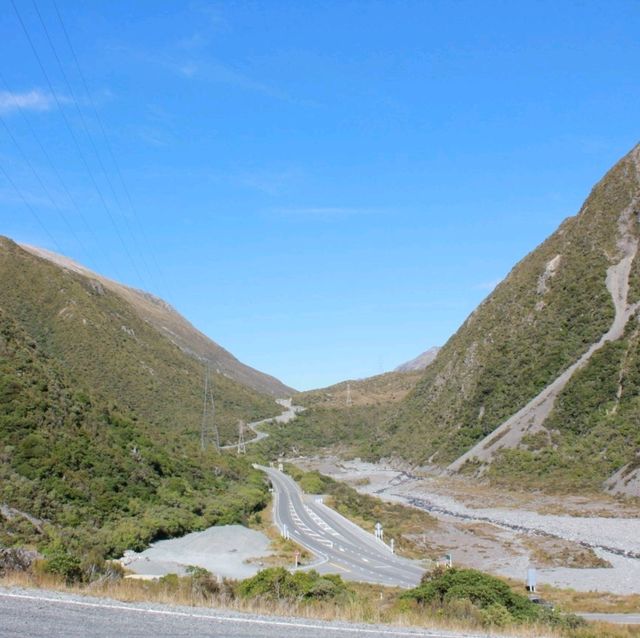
208	430
349	399
241	446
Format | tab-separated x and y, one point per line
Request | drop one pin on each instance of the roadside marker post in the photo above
531	579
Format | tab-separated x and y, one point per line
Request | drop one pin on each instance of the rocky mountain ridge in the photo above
420	362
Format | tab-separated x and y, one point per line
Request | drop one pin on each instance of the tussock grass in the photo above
371	605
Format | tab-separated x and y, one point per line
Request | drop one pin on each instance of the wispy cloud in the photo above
270	182
34	100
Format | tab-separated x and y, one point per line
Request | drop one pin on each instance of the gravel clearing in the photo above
224	551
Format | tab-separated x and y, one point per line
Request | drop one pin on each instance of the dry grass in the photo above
370	604
381	389
591	602
557	552
475	493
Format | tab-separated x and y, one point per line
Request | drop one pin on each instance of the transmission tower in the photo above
209	430
349	399
241	446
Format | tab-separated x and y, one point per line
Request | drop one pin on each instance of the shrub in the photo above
277	583
484	591
60	562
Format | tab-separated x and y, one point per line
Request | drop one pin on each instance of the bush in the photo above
60	562
496	616
486	592
277	583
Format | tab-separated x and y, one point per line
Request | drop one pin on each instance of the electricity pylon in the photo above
241	446
209	430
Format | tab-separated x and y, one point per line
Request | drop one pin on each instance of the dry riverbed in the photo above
587	544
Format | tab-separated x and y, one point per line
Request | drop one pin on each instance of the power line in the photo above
110	150
74	138
42	184
83	121
30	208
52	166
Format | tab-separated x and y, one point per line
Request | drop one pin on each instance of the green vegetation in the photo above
107	350
593	429
356	431
84	478
495	604
520	338
277	583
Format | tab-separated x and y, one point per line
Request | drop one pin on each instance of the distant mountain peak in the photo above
420	362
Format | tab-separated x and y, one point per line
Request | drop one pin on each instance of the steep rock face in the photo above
515	385
177	329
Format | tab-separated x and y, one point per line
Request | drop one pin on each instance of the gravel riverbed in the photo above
616	540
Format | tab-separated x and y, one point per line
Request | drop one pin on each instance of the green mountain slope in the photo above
81	474
540	387
107	348
377	390
177	329
510	355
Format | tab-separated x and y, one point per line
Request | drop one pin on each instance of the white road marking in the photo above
238	619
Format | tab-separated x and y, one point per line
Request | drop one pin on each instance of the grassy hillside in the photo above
379	390
177	329
593	431
107	348
86	475
537	322
546	313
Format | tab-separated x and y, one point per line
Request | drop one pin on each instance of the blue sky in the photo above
324	188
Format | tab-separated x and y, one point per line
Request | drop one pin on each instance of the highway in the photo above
290	412
340	546
36	613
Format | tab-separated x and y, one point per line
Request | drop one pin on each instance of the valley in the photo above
499	466
320	319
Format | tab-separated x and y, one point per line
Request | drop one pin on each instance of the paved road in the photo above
617	619
341	546
290	412
36	613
